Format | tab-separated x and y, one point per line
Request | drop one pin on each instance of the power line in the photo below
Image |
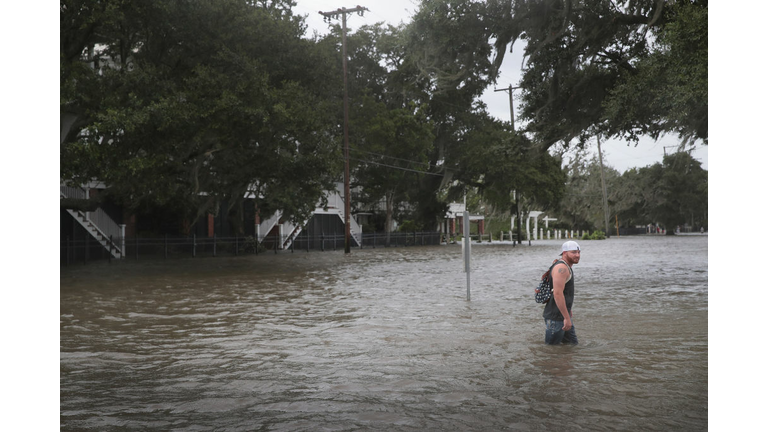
397	167
396	158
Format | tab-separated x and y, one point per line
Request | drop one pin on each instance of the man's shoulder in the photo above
560	264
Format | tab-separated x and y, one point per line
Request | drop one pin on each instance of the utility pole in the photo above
666	147
510	89
605	192
347	196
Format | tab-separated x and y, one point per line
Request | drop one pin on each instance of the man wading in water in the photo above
557	314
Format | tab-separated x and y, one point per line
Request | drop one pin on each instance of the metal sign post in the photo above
467	248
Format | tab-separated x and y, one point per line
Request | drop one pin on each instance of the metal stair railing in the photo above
354	229
266	226
73	192
294	231
336	203
103	226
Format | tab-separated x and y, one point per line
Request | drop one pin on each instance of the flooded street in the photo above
385	339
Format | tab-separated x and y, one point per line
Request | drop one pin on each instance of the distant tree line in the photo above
671	193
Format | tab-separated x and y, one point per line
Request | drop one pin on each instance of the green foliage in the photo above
496	161
588	67
670	193
413	116
390	138
190	104
582	206
681	191
595	235
447	65
408	226
668	89
610	68
448	52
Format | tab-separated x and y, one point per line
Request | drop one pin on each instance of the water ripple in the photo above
385	339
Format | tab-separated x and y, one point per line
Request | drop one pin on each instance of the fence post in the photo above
137	245
122	240
237	244
277	239
374	239
109	254
214	244
194	245
322	241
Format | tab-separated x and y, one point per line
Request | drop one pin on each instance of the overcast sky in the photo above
617	153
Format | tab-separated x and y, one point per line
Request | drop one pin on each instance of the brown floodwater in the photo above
385	339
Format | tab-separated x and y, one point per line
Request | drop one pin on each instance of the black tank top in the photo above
550	310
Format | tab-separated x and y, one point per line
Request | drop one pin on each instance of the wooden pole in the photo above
347	198
605	193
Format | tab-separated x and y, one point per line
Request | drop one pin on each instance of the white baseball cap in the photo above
571	246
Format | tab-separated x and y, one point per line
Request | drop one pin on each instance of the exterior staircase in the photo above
97	223
354	229
335	207
295	231
263	229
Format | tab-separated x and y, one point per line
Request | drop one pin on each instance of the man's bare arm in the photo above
559	277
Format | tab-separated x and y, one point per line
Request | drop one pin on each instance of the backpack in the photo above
544	289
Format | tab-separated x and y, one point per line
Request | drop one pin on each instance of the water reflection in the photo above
385	339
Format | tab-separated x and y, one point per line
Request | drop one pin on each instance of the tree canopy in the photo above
622	69
670	193
618	69
196	103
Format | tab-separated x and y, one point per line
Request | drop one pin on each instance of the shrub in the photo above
407	226
597	235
